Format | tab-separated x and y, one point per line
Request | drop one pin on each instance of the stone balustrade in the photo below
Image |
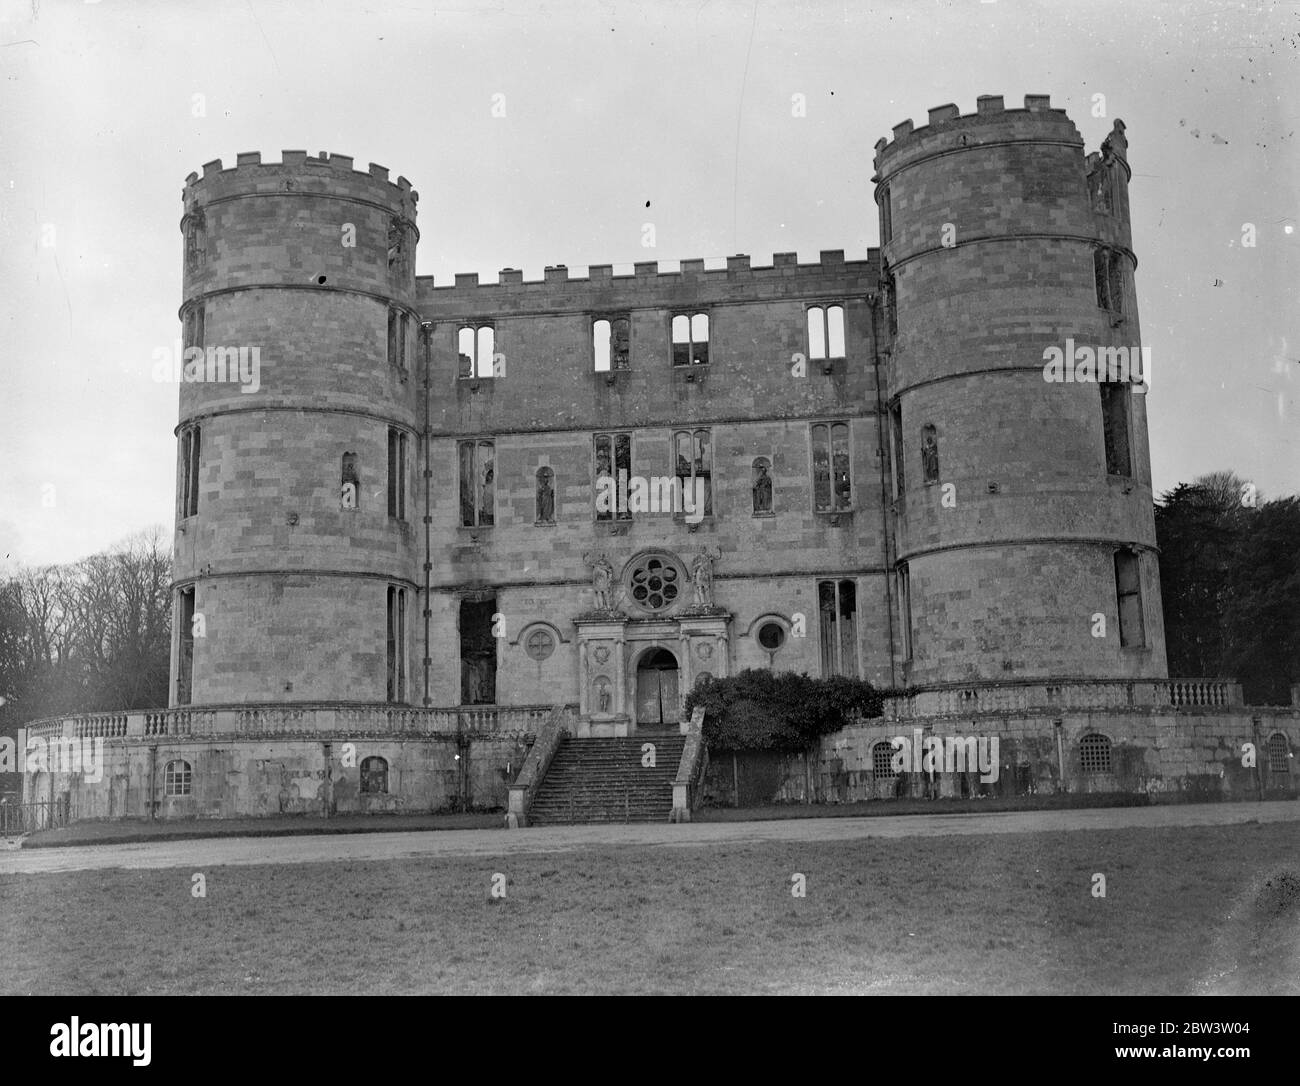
1075	694
289	721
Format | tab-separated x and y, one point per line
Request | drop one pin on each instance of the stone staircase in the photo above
602	780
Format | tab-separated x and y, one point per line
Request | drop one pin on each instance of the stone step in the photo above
602	780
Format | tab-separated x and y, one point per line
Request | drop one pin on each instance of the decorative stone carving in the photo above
702	575
545	496
762	486
930	454
602	581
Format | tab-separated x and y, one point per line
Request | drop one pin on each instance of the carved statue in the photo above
930	454
396	234
702	575
762	488
545	496
602	581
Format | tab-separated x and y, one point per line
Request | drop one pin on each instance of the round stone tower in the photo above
296	553
1023	518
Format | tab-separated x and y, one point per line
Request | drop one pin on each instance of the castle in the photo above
430	534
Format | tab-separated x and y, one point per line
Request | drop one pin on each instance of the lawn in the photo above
1187	910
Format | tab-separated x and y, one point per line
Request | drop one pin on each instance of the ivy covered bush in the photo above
758	709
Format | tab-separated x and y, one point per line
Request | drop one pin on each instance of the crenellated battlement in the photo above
298	171
653	275
948	128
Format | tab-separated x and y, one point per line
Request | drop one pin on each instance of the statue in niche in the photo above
545	496
930	454
396	235
762	486
601	689
602	581
702	575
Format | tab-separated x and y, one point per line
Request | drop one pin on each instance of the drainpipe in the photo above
1255	723
328	790
426	327
882	427
153	781
1058	727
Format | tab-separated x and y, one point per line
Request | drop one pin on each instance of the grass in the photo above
1187	910
121	831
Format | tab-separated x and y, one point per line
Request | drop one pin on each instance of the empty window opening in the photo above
185	657
477	483
1115	401
826	332
476	344
837	609
832	486
613	470
396	654
694	459
398	331
690	339
611	339
189	473
1128	592
905	608
195	330
397	471
478	652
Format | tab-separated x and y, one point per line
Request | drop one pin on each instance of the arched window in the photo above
374	776
1094	754
177	778
1279	754
882	761
762	486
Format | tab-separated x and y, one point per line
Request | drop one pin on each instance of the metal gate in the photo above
20	818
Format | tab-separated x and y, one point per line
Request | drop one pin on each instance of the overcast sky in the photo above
608	106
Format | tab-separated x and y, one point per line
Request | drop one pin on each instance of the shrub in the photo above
758	709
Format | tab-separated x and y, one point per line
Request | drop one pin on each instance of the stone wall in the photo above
270	777
1167	755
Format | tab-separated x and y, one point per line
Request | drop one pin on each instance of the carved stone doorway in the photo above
657	704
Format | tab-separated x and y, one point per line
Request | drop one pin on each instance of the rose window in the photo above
654	583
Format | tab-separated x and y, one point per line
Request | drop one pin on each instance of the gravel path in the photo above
396	846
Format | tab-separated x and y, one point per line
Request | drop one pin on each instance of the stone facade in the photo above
410	505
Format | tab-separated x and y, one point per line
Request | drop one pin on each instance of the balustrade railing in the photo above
291	720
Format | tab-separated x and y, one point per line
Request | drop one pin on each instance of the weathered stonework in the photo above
392	521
